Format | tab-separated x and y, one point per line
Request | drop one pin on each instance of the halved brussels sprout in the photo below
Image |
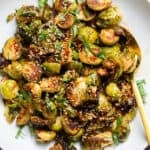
66	53
31	71
77	136
98	5
95	49
57	126
87	34
56	146
61	5
12	49
34	89
39	122
51	84
51	67
93	79
88	58
77	92
9	89
108	36
109	17
23	116
113	90
122	130
97	141
103	104
70	75
14	70
75	65
64	21
43	136
70	126
84	13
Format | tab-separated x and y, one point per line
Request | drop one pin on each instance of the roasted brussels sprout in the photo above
45	136
113	90
51	84
12	49
88	57
108	36
98	5
23	117
57	126
84	13
31	71
75	65
70	75
77	92
66	53
70	126
98	140
51	67
109	17
61	5
57	146
88	34
121	128
64	21
39	122
34	89
103	104
77	136
93	79
9	89
14	70
95	49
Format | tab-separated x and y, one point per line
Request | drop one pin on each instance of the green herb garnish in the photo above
19	132
42	36
42	3
58	45
75	30
71	145
102	55
85	43
23	95
75	55
140	84
50	105
31	128
85	11
116	132
76	1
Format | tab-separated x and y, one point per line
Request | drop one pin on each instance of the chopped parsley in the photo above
116	131
42	3
140	84
85	11
42	36
19	132
75	30
85	43
23	95
58	45
75	55
102	55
